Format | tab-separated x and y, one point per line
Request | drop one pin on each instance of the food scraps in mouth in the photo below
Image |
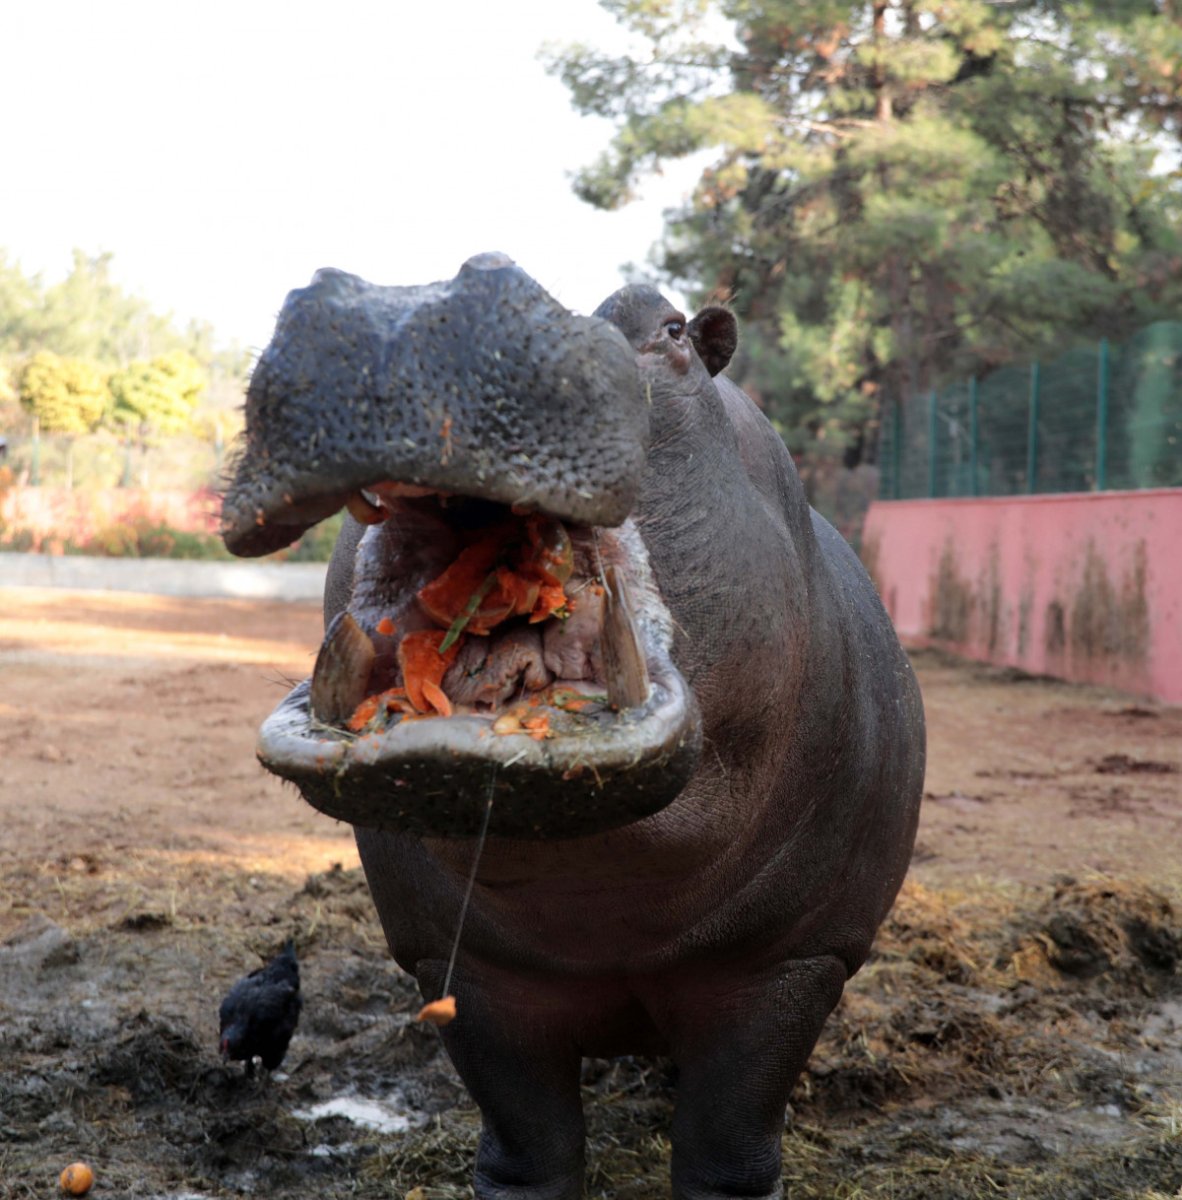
501	575
517	569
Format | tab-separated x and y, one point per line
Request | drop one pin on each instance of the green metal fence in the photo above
1107	416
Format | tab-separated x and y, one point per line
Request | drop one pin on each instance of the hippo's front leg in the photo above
740	1045
519	1062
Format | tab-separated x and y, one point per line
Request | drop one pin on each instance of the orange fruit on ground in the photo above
77	1179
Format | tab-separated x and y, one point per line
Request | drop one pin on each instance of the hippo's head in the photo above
495	633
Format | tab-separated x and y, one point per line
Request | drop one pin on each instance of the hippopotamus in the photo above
598	684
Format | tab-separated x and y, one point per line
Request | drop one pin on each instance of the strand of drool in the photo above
455	946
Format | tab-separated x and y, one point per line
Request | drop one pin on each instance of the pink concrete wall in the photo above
1083	586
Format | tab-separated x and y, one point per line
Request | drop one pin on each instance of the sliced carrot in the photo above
421	661
439	1012
437	698
552	601
445	597
538	726
386	627
363	713
517	590
390	699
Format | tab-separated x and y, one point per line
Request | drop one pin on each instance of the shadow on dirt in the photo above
1028	1045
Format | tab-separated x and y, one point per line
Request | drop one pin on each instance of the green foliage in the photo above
904	191
144	537
89	315
158	396
65	395
316	545
162	381
19	305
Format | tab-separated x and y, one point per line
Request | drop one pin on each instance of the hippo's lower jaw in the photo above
540	713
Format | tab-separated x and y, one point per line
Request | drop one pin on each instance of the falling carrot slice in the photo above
386	627
439	1012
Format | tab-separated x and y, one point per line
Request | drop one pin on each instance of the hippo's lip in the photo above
584	766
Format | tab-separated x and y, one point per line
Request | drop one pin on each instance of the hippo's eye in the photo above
675	328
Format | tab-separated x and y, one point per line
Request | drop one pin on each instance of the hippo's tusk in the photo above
340	679
364	509
624	668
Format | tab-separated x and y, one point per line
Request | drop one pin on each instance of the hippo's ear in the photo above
715	334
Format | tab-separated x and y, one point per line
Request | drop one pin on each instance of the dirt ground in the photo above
1018	1030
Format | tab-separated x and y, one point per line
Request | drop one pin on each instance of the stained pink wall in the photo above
1084	586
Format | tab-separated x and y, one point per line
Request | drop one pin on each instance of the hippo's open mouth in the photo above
489	654
504	637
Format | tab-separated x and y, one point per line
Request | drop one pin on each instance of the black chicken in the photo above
259	1013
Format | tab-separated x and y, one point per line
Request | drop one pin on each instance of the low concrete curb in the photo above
165	576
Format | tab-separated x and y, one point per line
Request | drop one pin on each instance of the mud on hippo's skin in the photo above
702	744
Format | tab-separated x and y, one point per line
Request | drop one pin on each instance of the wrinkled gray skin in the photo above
721	930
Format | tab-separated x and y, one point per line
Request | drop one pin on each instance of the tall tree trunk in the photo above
883	109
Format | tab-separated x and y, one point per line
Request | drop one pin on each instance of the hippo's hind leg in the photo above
740	1046
521	1067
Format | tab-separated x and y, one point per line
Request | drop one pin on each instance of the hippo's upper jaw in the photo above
484	385
503	637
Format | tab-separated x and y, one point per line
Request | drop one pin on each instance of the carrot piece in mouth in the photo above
421	661
511	570
447	596
538	726
365	712
437	698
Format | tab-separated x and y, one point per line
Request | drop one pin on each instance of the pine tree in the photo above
901	191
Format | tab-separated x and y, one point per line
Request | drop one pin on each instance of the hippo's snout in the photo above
483	386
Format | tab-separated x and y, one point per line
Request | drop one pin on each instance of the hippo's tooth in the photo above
624	668
365	508
341	677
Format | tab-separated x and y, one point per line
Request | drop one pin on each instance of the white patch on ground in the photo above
384	1116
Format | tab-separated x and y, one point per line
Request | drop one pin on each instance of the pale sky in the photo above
223	150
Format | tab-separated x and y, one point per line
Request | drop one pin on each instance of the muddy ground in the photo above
1017	1032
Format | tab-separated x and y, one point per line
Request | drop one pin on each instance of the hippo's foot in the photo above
740	1047
500	1176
